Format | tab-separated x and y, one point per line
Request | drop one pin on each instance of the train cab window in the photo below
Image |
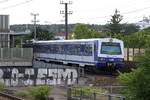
110	48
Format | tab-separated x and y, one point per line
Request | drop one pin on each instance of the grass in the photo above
87	91
35	93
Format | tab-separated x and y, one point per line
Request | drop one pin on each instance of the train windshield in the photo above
110	48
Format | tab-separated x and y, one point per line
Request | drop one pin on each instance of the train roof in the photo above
78	40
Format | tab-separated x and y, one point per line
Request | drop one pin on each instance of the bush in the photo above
22	94
2	86
138	81
86	91
39	92
35	93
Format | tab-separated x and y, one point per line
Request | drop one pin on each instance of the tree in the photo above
42	34
81	31
114	26
138	82
128	29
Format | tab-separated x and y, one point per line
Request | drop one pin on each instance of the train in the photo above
96	53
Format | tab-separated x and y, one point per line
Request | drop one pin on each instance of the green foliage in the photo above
2	86
40	92
128	29
86	91
83	32
138	40
41	34
22	94
114	26
35	93
137	82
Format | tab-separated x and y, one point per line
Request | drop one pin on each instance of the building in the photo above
145	23
60	36
4	31
7	37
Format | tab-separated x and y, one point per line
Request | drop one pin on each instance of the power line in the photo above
15	5
129	12
2	1
137	10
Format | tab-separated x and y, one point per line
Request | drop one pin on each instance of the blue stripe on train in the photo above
101	64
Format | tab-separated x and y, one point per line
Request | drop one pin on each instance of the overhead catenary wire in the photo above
2	1
107	16
124	13
90	18
15	5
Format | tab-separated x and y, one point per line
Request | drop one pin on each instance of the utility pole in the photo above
66	16
34	22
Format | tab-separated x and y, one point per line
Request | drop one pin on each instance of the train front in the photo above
110	53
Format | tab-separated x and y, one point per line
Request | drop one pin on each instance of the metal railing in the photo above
130	53
79	94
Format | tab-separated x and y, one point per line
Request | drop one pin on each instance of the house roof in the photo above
60	34
16	33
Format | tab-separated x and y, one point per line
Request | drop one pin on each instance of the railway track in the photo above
5	96
101	80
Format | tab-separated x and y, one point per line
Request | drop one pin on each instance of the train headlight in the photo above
121	60
111	59
102	59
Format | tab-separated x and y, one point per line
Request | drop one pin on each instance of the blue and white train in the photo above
102	52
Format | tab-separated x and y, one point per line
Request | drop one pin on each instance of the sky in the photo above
84	11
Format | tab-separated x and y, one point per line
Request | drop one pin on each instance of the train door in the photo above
87	56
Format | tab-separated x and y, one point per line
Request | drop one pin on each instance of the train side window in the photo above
68	49
60	49
46	48
38	48
63	49
83	50
49	48
52	48
88	50
72	49
56	49
41	50
78	49
75	49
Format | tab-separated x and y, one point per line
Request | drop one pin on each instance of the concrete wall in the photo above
4	23
37	76
16	56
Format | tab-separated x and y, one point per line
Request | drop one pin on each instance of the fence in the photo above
11	54
130	53
81	94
